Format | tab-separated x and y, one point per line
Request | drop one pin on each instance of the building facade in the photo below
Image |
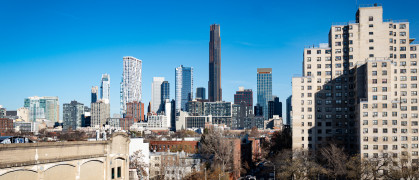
214	83
131	81
100	112
244	95
73	115
156	94
264	89
43	108
94	94
200	93
289	109
165	95
105	87
83	160
360	89
183	87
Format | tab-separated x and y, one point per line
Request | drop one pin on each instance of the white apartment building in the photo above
360	89
131	81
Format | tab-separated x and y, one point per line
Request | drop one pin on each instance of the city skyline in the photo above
275	57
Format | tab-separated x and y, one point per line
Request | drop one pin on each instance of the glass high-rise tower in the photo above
184	87
156	94
105	87
165	94
214	82
264	89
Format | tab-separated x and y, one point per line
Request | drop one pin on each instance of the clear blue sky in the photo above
56	48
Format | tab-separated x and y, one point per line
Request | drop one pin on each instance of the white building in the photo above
131	81
105	87
156	93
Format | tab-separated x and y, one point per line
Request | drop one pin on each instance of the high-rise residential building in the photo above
73	115
165	95
360	89
43	108
100	112
131	81
289	109
183	87
94	95
264	89
277	106
244	95
156	94
135	110
214	83
200	93
105	87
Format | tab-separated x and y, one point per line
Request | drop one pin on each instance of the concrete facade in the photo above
82	160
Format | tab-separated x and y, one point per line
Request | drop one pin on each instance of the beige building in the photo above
100	112
360	89
88	160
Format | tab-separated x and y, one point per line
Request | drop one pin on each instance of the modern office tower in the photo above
73	115
360	90
264	87
105	87
214	83
94	97
100	111
131	81
289	110
156	93
43	108
165	95
258	110
244	95
200	93
277	106
86	119
183	87
135	110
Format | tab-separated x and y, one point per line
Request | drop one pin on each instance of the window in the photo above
371	18
338	28
371	40
308	51
119	172
113	173
371	33
371	25
402	26
371	48
319	51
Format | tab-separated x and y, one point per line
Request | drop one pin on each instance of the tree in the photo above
137	162
216	149
334	160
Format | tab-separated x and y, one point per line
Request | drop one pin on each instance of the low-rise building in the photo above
173	165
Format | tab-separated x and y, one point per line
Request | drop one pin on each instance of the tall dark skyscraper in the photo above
200	93
214	83
277	107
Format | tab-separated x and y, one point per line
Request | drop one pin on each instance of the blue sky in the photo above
57	48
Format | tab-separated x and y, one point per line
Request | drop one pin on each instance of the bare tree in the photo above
217	149
334	160
137	162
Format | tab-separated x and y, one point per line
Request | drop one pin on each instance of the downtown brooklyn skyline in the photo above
65	52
